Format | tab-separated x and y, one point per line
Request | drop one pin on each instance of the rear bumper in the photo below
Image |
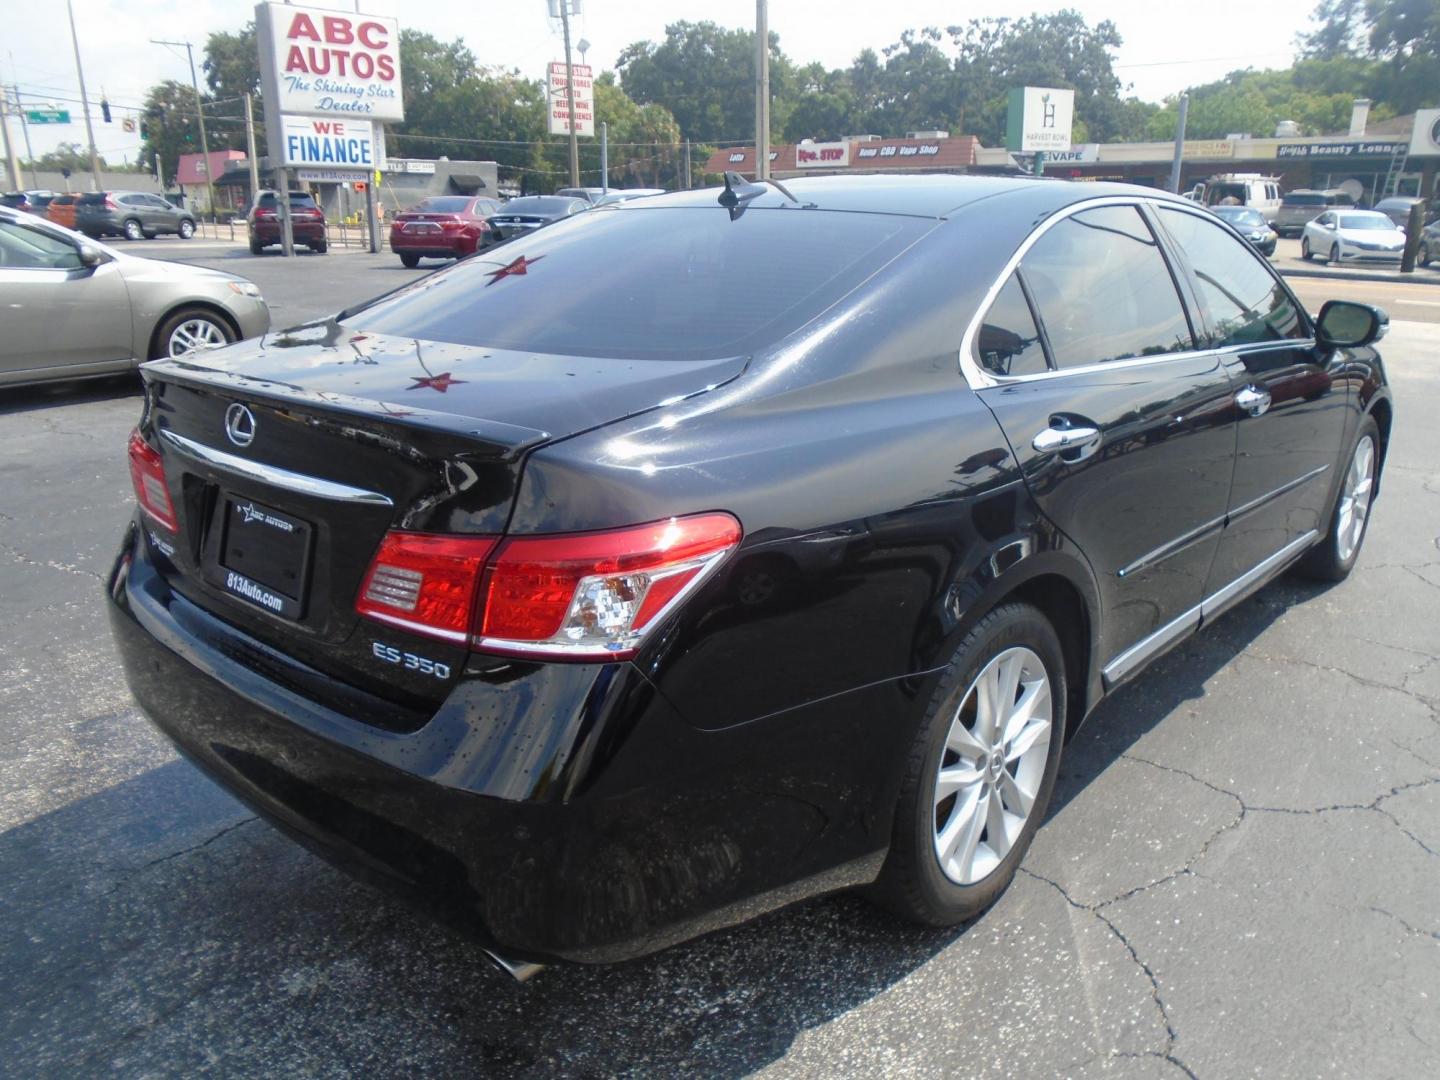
435	246
554	812
306	232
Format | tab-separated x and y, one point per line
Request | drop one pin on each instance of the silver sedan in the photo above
72	308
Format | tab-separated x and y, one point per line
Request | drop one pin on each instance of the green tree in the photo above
68	155
172	127
1338	30
704	76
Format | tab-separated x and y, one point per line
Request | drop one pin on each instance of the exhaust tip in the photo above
519	970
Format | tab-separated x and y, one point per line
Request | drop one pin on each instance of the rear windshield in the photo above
12	200
1296	198
1241	215
445	204
542	204
1365	221
93	197
297	198
693	285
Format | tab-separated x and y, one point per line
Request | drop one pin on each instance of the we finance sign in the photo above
333	143
329	63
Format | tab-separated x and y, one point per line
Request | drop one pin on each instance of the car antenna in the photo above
739	190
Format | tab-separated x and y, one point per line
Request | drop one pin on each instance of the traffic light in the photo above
144	130
105	110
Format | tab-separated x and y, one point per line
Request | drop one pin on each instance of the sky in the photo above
1165	47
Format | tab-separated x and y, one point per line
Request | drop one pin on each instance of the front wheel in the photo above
979	776
192	330
1305	252
1334	557
187	229
1335	254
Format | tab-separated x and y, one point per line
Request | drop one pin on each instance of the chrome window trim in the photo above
1136	655
274	475
977	378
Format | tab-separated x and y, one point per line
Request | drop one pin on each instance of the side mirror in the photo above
1344	324
91	256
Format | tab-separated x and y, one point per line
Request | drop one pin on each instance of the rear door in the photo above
1291	409
1123	426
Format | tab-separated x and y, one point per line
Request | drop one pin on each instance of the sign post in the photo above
337	69
1039	119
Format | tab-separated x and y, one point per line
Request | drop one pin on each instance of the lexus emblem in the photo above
239	425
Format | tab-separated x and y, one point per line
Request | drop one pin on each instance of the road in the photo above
1239	875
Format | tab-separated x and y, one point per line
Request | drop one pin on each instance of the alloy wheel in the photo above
196	335
993	765
133	230
1355	495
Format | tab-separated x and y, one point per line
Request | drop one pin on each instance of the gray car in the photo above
1300	207
75	308
526	214
134	215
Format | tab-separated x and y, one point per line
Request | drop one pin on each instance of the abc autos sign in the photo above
318	62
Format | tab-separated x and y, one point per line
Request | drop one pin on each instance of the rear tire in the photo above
133	231
1334	557
996	763
256	247
410	261
321	248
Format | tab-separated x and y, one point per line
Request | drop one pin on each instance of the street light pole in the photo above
11	161
200	113
84	101
570	95
762	90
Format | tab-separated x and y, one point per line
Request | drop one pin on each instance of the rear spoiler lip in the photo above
501	440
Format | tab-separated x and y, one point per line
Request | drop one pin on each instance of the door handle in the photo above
1068	440
1254	400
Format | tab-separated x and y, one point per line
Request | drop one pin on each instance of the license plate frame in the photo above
263	556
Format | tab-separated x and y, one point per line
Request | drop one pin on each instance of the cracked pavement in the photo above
1240	874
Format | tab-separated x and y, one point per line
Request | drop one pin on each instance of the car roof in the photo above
936	195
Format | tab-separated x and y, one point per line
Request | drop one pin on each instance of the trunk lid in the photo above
349	435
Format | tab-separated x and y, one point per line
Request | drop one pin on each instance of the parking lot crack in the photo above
178	854
49	564
1167	1053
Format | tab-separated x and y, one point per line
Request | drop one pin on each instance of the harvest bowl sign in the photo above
330	63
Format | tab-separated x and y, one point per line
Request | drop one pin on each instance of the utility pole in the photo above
604	158
25	130
199	112
95	184
1179	143
570	95
250	148
762	90
10	160
687	164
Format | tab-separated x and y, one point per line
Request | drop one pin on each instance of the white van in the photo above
1240	189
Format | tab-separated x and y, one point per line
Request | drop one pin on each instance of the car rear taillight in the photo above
583	595
597	594
111	204
147	473
264	215
426	583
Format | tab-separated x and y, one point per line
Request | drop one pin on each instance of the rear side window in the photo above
1009	341
1296	198
1245	301
693	285
1103	289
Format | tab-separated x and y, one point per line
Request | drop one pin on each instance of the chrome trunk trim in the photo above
274	475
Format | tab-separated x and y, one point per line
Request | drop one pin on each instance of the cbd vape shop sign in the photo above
319	62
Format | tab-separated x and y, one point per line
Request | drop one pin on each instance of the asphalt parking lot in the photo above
1240	874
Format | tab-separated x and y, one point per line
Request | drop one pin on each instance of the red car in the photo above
443	227
307	222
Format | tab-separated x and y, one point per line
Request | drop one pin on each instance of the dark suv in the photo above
307	222
134	215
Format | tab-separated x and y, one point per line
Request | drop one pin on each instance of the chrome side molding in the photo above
274	475
1136	655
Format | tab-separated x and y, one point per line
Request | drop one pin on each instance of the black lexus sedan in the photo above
1250	224
696	555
